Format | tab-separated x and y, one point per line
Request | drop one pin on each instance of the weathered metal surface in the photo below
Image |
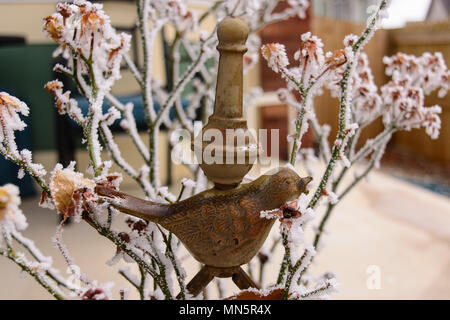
228	114
219	228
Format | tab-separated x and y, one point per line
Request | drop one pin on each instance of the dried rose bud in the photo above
94	294
276	57
290	210
65	10
90	21
125	237
61	99
114	53
140	226
336	60
308	49
53	27
68	190
53	86
11	105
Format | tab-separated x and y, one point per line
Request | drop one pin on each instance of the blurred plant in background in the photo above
94	51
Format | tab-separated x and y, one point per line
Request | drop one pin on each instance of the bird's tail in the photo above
147	210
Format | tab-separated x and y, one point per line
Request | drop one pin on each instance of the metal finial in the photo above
232	33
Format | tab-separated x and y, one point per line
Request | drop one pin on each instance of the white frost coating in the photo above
189	187
307	213
291	167
63	101
260	292
30	245
114	151
20	174
305	260
412	79
270	214
37	168
188	183
115	259
202	182
95	291
165	194
10	110
126	272
322	291
147	186
57	242
276	57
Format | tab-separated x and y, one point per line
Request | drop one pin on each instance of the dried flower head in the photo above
69	190
296	210
10	108
275	54
62	99
310	56
63	102
10	213
405	108
98	292
7	196
429	71
431	121
310	49
87	39
53	27
335	59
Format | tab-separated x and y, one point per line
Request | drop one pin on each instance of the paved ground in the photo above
402	230
432	175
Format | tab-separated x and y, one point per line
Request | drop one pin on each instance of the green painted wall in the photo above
24	70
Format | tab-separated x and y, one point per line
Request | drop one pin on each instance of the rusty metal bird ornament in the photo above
221	227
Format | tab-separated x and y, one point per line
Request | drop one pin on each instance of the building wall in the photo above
344	10
439	11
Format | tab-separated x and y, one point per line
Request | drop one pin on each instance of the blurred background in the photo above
401	221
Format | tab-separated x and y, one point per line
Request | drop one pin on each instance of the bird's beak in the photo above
303	183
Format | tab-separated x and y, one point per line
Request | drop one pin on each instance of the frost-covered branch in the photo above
345	130
12	221
33	271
